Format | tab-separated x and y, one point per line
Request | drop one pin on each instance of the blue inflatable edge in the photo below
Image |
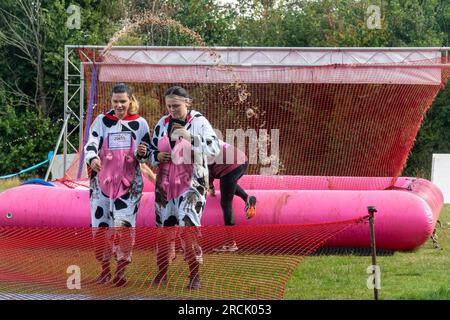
38	181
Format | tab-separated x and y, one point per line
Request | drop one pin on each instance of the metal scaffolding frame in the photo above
74	81
73	86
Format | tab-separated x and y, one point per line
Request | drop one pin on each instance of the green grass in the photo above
422	274
9	183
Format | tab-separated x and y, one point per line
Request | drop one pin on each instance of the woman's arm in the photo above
205	141
94	142
143	143
153	147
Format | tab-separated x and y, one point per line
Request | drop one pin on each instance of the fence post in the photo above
372	211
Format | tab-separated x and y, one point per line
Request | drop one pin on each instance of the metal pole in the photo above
66	102
81	104
372	211
63	130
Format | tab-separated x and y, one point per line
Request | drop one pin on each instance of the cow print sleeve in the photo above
153	156
93	145
206	141
144	137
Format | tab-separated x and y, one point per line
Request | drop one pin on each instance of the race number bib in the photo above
119	140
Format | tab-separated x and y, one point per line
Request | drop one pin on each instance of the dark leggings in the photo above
228	188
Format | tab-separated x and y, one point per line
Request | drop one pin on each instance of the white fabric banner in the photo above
440	173
278	65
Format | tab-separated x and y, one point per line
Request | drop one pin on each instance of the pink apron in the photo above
118	164
175	176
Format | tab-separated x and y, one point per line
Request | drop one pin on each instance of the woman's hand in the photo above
212	191
96	165
142	149
182	132
164	157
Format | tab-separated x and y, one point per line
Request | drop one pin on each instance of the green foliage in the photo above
99	21
26	139
205	17
433	137
330	23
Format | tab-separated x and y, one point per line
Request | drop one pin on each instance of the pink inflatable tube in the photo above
407	212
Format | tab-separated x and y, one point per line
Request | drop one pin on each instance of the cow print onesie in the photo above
107	211
187	208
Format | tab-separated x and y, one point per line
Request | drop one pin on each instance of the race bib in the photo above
119	140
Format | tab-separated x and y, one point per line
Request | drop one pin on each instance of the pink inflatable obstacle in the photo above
406	217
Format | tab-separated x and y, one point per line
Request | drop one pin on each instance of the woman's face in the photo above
177	108
120	103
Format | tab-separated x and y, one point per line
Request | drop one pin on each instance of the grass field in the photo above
422	274
8	183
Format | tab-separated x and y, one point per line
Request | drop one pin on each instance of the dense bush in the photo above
26	139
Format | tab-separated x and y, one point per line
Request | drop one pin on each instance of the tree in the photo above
33	35
23	34
331	23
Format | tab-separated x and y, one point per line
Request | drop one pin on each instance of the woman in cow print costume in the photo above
118	142
180	144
